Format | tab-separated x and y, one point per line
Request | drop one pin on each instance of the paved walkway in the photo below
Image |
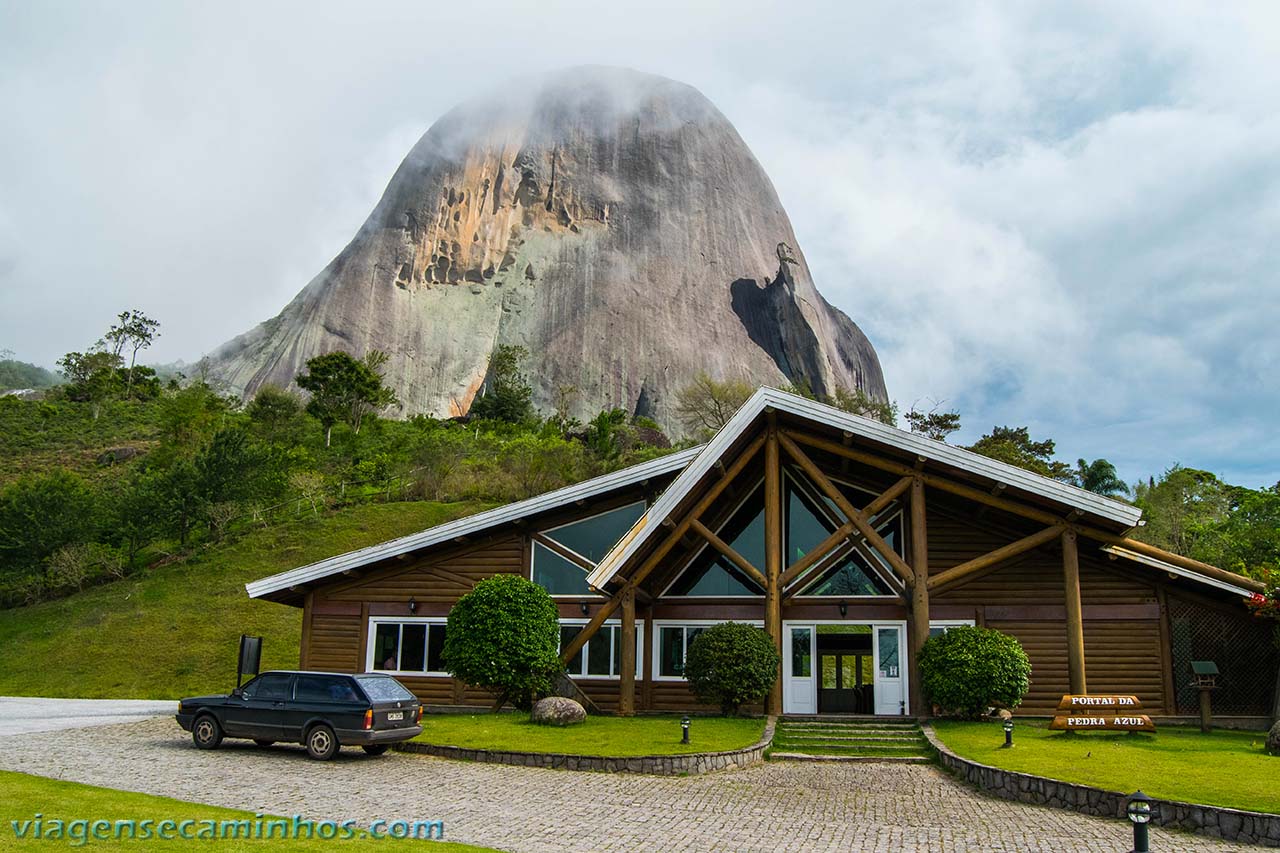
21	715
775	807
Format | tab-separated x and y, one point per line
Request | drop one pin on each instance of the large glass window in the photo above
415	646
602	655
589	538
672	646
711	573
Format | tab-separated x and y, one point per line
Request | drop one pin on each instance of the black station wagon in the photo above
320	710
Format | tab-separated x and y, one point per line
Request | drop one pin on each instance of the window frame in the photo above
534	545
656	640
608	623
372	632
697	554
945	624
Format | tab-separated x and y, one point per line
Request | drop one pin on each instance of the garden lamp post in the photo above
684	727
1139	811
1008	734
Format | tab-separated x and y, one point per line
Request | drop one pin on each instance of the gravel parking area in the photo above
775	807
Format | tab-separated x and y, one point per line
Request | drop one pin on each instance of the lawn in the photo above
172	631
1223	768
26	796
608	736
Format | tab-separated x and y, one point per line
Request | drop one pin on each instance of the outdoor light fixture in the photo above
844	608
684	727
1139	811
585	608
1008	734
413	605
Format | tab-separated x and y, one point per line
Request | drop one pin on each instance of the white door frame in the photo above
792	687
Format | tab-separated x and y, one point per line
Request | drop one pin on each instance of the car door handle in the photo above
277	704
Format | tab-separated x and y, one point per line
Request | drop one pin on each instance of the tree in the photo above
859	402
135	331
344	389
1014	446
503	637
967	670
1181	509
92	377
731	664
705	405
933	424
276	414
1100	477
41	513
507	395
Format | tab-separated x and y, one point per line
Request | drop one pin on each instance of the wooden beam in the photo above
1075	617
612	603
730	553
1177	560
854	515
627	666
552	545
773	510
887	497
999	555
820	552
919	591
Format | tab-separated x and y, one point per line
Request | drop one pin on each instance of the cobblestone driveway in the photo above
774	807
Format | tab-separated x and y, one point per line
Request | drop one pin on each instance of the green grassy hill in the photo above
172	630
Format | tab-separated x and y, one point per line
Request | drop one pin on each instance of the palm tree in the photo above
1099	476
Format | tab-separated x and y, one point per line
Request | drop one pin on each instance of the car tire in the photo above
375	748
322	743
263	743
206	733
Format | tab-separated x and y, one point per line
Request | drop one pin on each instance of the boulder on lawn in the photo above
1273	740
557	711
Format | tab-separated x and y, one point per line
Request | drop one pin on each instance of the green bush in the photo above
503	637
731	664
967	670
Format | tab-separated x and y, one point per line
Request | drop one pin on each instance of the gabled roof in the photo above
871	432
473	524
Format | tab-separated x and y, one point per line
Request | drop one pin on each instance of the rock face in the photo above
613	223
557	711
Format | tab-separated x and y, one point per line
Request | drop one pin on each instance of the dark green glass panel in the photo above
710	574
598	651
671	653
806	524
413	648
557	575
849	577
593	537
435	648
567	633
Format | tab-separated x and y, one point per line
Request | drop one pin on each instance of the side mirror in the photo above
238	692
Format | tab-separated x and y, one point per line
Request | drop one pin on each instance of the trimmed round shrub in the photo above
731	664
503	637
967	670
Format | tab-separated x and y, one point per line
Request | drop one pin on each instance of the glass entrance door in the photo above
889	690
800	695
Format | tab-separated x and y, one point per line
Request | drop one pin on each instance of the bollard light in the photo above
1008	734
684	727
1139	811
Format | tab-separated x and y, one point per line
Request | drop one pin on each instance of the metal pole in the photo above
1141	839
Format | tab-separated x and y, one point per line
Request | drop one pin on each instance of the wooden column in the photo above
773	557
919	592
627	667
1075	616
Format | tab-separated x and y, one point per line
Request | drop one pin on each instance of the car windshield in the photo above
382	688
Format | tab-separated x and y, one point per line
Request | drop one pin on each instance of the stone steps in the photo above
844	739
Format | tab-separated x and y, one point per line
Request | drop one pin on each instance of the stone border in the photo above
1213	821
691	764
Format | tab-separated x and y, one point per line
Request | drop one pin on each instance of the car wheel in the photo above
206	732
263	743
375	748
322	744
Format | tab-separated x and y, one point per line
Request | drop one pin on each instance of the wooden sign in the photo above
1101	703
1101	712
1108	722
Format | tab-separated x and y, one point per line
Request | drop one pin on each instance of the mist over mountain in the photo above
611	222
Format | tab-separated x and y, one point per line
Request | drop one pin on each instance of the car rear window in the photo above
382	688
324	688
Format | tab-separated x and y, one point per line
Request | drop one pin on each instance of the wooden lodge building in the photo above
848	541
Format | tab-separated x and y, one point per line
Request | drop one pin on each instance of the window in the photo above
324	688
672	641
939	627
379	688
269	686
602	656
710	573
410	646
589	538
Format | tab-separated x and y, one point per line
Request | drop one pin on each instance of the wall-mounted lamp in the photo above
844	608
585	608
413	605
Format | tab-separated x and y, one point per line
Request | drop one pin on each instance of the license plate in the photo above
395	715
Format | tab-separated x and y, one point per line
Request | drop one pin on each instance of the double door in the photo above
836	682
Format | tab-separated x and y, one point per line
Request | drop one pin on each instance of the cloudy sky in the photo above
1056	214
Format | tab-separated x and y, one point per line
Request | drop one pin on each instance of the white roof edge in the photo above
1157	563
472	523
939	451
